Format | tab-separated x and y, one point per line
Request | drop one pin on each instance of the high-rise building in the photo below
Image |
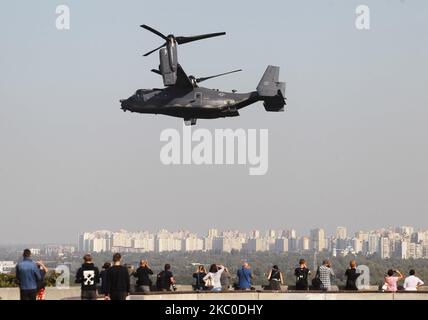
226	244
192	244
271	233
281	245
7	267
415	251
255	234
100	245
144	244
317	239
401	249
305	243
384	247
419	237
341	233
425	251
121	239
97	241
373	243
405	230
208	244
257	244
357	245
293	244
212	233
361	235
291	234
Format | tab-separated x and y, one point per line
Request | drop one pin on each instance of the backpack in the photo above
316	282
209	282
162	282
159	280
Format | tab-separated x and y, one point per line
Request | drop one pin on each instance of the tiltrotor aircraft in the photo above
183	98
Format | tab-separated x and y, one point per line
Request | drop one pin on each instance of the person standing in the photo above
225	280
165	279
199	275
102	290
118	280
412	282
325	275
244	277
214	276
143	277
132	280
88	276
351	276
28	275
302	274
275	278
41	285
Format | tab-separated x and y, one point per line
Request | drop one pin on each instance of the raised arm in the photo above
41	264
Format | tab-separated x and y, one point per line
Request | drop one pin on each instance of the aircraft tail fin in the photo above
271	91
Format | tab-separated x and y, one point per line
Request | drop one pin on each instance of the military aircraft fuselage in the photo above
187	103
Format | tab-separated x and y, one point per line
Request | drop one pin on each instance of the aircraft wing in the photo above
183	80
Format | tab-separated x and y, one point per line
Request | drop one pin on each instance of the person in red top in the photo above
41	285
391	280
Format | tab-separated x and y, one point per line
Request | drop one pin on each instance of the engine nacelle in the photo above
168	65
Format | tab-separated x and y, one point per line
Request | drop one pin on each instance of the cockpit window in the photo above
139	94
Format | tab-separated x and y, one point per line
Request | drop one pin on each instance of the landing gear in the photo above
190	122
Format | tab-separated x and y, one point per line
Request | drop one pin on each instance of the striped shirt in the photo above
325	276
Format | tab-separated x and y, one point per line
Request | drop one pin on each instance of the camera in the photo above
174	287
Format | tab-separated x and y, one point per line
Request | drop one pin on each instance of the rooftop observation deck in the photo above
185	292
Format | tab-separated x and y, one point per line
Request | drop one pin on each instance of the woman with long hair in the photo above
199	275
212	279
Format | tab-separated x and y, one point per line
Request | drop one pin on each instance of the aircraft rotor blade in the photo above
178	40
150	52
182	40
215	76
154	31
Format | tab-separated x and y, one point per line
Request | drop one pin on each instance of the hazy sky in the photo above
351	149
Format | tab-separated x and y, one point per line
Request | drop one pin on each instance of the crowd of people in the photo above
113	282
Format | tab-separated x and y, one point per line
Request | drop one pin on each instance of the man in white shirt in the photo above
412	282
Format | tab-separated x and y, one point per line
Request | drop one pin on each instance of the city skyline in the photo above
71	239
402	241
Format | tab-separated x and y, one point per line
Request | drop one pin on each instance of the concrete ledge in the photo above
51	293
74	294
259	295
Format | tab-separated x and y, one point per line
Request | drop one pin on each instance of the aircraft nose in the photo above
123	103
